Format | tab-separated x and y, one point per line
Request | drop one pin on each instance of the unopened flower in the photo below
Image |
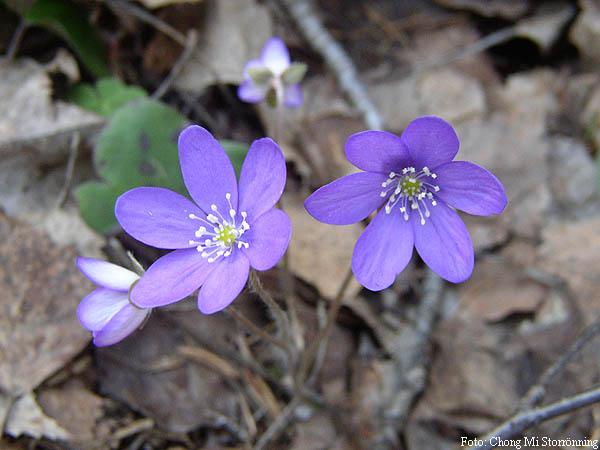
273	77
107	311
219	237
414	181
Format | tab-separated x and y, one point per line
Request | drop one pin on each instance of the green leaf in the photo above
236	151
67	20
97	205
295	73
138	147
106	97
260	75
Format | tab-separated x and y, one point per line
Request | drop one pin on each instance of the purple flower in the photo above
107	312
415	182
220	236
273	76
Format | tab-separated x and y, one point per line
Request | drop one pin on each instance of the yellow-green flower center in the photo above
227	235
410	186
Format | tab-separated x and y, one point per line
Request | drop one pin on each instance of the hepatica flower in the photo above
273	77
414	181
218	237
107	312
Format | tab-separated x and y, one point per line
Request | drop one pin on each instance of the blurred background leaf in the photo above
108	95
67	20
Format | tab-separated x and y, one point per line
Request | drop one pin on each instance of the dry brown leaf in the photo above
234	31
30	121
41	288
27	418
146	373
585	32
75	409
498	289
571	251
319	253
545	26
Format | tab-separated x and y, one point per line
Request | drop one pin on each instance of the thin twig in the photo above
528	419
320	342
188	50
73	152
150	19
278	425
15	40
537	392
304	14
253	329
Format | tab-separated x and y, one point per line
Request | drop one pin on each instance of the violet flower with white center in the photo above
217	239
107	311
414	181
273	77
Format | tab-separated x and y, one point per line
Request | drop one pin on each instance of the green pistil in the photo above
410	186
227	235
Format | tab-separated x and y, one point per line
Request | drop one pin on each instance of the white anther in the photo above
228	196
213	207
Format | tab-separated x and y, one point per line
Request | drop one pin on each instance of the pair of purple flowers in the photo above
232	226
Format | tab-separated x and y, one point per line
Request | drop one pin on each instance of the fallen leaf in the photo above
146	372
30	121
319	253
234	32
545	26
41	287
585	32
571	251
27	418
155	4
497	289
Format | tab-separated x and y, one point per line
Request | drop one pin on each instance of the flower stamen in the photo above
225	234
412	190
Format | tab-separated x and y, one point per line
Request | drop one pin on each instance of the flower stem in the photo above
320	343
254	329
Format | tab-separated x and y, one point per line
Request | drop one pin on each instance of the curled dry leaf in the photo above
234	31
27	418
585	32
40	286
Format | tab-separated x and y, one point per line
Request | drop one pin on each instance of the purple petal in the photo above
98	307
383	250
103	273
262	178
444	243
431	141
275	56
207	170
268	238
377	151
171	278
158	217
121	325
293	96
224	284
251	93
470	188
348	199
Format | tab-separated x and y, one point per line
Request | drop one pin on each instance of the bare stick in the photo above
150	19
15	41
303	12
278	425
320	342
528	419
184	58
537	392
74	150
252	328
